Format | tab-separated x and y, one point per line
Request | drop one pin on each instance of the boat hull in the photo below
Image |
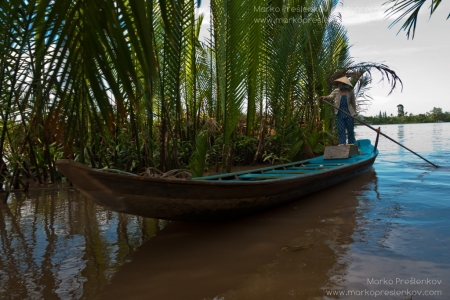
203	199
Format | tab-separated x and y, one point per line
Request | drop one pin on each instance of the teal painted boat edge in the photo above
265	175
297	171
213	177
205	200
366	152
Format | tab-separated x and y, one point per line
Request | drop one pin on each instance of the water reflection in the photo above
245	259
55	244
385	224
402	230
401	138
400	133
439	135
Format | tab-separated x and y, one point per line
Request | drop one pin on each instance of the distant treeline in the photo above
435	115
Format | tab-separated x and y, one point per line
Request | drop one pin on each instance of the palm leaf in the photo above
408	9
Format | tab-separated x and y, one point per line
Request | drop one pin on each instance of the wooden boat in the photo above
216	197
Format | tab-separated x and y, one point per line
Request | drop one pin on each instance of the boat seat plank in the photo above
294	171
319	166
312	169
264	176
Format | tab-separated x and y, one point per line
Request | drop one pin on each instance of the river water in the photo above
383	235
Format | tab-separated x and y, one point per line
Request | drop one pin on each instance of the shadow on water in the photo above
57	245
389	224
249	258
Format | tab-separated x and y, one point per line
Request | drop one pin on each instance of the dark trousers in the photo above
345	124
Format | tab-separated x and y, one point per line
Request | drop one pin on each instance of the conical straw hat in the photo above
343	80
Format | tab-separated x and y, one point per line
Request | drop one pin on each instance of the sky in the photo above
422	63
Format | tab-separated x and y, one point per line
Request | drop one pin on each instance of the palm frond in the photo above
408	9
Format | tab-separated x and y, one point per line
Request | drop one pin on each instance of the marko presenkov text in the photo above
406	281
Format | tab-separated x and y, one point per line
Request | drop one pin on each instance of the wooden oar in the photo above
377	130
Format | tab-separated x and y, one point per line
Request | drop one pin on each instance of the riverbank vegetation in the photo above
132	84
433	116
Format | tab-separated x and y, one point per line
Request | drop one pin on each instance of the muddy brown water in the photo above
383	235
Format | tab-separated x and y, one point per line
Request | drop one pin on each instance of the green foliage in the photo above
409	9
198	161
130	84
274	159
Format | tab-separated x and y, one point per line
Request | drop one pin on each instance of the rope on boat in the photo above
115	171
154	173
174	174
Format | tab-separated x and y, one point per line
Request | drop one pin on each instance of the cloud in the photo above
355	15
370	51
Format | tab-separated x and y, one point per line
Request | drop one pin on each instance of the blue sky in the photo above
423	63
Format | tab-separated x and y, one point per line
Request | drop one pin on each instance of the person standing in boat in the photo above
344	97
